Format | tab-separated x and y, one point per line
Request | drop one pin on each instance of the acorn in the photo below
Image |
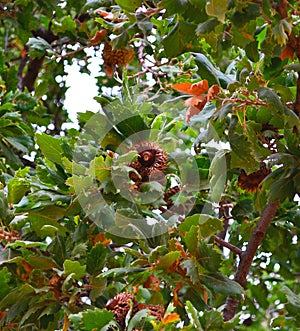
120	306
151	163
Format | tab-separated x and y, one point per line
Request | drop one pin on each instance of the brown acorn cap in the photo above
120	306
152	161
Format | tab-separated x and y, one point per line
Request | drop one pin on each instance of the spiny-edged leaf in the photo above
5	277
191	238
166	261
6	214
16	295
177	41
91	320
246	140
131	124
192	268
175	6
157	252
208	225
129	5
218	175
120	272
100	168
137	318
217	8
96	259
274	103
193	315
17	188
213	320
240	18
50	147
208	257
219	283
38	47
282	189
74	268
48	215
39	262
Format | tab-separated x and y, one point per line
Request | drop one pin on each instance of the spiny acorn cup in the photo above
122	302
151	163
120	306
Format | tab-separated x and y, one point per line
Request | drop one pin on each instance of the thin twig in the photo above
226	244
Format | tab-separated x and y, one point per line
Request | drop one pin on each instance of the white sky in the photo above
82	90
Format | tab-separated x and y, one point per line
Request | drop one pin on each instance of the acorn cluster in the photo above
251	182
116	57
151	163
122	303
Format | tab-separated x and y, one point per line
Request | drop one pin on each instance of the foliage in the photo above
84	218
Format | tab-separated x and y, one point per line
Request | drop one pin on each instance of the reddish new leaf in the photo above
193	89
98	37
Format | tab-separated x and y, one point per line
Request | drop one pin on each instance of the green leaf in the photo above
176	42
217	8
137	318
43	263
38	47
219	283
17	188
96	259
166	261
218	175
193	315
17	294
175	6
74	268
129	5
207	224
207	71
91	320
208	257
119	272
50	147
192	269
48	215
100	168
6	214
207	26
5	277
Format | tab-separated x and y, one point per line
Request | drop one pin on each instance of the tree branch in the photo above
34	65
226	244
247	256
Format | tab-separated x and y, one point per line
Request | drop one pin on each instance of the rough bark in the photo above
247	256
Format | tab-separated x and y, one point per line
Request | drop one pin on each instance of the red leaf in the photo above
171	318
196	101
213	90
193	89
288	52
98	37
196	105
108	15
